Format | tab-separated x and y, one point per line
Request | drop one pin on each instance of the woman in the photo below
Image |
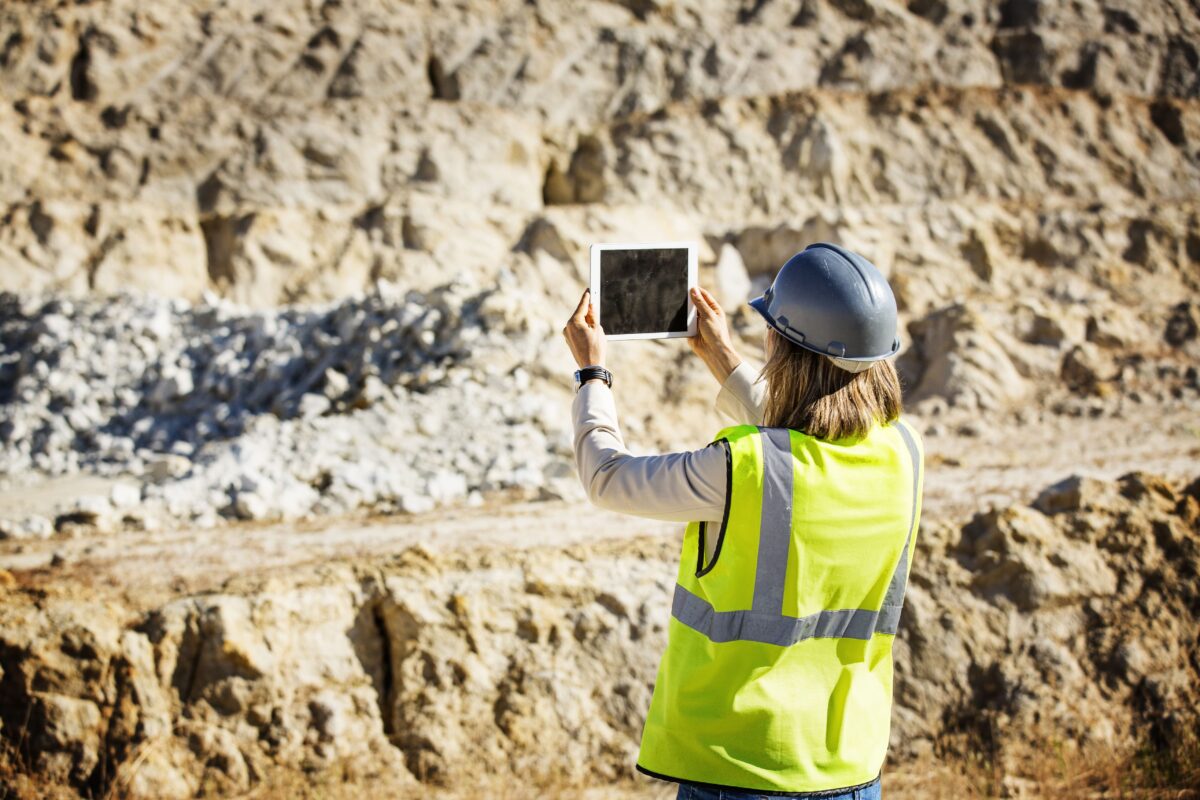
777	677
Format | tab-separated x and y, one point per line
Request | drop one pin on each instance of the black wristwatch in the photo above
584	375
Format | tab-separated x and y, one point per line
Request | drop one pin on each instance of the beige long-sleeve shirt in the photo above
682	487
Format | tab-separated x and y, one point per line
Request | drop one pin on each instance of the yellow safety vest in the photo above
777	675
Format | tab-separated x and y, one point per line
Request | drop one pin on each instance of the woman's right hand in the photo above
712	342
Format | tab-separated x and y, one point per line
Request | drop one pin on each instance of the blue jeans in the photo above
690	791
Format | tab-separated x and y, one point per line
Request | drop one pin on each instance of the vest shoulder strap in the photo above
734	432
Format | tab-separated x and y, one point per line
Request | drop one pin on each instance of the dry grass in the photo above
1050	771
1053	770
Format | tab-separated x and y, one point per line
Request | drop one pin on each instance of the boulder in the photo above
1087	369
32	526
1077	493
1183	325
1118	327
958	357
732	283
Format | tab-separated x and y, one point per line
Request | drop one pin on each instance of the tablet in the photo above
640	291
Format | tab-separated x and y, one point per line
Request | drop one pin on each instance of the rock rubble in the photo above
389	401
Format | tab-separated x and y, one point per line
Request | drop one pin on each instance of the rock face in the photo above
1092	603
1077	616
295	152
964	362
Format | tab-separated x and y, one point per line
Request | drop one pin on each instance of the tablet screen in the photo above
644	291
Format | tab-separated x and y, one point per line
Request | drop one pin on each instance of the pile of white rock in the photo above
388	401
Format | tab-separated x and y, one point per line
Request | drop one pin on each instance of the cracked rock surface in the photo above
1076	615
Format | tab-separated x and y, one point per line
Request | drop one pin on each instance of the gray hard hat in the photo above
833	302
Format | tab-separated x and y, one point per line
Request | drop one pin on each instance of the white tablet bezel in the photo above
597	300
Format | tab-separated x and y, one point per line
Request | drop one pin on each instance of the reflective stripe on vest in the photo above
765	622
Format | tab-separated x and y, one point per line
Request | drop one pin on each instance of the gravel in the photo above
390	401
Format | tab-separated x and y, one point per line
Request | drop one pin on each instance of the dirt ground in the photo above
994	466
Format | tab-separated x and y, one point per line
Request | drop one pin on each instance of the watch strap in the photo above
586	374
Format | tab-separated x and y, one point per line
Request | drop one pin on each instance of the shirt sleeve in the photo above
742	396
677	487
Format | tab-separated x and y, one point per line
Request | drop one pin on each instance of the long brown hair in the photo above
808	392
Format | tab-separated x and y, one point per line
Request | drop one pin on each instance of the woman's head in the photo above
806	391
832	328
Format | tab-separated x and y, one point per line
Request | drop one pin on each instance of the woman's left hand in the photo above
584	335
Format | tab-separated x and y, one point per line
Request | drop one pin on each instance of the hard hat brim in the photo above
760	304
